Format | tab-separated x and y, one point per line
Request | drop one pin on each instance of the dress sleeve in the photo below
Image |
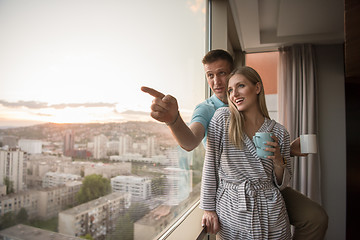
284	141
209	182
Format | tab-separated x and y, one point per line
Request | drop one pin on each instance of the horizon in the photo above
147	118
142	117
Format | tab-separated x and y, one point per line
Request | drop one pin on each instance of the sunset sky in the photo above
85	60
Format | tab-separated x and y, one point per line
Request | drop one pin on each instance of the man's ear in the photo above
258	87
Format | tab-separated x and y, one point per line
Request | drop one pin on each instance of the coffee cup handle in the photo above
255	141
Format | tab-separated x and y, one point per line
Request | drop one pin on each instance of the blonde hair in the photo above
237	119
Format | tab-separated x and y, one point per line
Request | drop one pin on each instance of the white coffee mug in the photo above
308	143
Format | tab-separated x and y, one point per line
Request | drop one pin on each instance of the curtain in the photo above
298	112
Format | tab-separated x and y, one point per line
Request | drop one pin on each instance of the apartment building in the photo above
69	141
108	170
153	222
125	144
41	203
100	146
136	157
13	167
15	201
138	187
97	217
178	184
30	146
2	190
39	165
52	179
53	200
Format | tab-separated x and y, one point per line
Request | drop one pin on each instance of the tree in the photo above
93	187
7	220
9	185
22	216
87	236
82	173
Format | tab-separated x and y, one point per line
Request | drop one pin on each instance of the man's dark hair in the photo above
217	54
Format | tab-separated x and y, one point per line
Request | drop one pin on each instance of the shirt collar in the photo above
217	102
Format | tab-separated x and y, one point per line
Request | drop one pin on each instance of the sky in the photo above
69	61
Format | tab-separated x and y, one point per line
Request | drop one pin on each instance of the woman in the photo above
240	192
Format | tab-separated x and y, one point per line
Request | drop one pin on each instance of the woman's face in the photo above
243	93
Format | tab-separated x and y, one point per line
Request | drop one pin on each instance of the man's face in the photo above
216	73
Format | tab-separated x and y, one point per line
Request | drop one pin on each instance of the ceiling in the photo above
265	25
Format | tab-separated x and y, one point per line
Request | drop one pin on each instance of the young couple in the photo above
243	196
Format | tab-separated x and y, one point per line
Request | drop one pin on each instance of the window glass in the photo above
72	115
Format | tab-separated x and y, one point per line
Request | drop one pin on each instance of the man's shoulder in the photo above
206	107
208	103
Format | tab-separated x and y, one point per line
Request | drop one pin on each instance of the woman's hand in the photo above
211	221
277	158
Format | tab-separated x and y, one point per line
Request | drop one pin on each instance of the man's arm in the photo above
165	109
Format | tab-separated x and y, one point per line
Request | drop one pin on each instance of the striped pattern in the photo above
241	187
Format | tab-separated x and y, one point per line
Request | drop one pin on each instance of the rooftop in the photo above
24	232
94	203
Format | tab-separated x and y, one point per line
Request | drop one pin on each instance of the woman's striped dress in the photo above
241	187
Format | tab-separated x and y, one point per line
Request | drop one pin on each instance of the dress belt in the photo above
246	188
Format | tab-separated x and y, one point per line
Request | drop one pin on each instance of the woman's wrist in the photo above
280	164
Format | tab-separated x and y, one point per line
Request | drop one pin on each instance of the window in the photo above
71	77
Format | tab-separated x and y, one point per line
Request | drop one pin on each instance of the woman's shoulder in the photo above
223	110
280	128
221	114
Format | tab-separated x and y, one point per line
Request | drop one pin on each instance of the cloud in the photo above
27	104
44	115
87	105
131	112
39	105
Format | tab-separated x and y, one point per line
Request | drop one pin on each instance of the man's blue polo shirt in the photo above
204	112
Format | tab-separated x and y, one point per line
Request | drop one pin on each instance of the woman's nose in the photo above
235	93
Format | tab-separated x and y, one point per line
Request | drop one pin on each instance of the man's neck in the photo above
224	100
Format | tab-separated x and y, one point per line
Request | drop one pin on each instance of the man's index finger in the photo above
152	92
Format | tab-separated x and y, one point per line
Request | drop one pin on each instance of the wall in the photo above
352	102
332	136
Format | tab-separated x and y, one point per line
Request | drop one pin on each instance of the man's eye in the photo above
222	73
210	75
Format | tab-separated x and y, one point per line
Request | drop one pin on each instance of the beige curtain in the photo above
298	112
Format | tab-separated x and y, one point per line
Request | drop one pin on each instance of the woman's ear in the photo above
258	87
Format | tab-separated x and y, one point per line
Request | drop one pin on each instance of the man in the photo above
308	217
